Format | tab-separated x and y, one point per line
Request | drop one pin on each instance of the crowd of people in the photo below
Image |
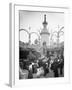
42	67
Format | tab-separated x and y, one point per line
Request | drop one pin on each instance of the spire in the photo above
45	20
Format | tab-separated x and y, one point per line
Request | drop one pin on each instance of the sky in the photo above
34	20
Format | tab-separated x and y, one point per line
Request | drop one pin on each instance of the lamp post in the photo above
39	36
51	38
29	36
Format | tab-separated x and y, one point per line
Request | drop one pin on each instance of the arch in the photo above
24	31
38	36
29	34
57	34
35	33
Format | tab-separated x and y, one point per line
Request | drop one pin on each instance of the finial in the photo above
29	27
45	20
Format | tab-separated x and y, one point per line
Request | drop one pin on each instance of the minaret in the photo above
44	33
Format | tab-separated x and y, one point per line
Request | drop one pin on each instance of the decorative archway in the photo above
24	31
29	34
57	34
36	35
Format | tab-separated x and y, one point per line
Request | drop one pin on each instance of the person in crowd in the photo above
40	63
30	75
54	67
51	60
23	74
34	68
30	66
45	67
61	64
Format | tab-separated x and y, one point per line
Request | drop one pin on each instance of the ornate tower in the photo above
44	33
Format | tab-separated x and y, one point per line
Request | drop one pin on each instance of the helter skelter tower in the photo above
44	33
